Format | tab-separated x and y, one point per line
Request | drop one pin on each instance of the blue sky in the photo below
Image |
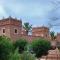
36	12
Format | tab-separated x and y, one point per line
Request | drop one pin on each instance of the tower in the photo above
11	28
40	31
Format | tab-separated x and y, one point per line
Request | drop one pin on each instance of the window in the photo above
15	30
3	30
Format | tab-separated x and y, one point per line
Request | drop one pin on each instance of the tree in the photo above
20	44
6	47
52	34
27	27
40	47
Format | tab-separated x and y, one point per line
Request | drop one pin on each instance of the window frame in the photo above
15	31
3	30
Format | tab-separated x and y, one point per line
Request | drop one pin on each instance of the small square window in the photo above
15	30
3	30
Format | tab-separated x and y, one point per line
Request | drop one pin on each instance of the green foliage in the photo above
52	33
20	44
40	47
6	47
15	55
27	27
27	56
7	52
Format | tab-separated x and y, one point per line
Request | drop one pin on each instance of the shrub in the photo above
27	56
6	47
40	47
15	55
20	44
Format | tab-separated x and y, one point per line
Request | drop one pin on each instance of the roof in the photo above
10	21
40	27
10	18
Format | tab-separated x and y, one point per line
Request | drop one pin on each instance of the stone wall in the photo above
52	55
29	38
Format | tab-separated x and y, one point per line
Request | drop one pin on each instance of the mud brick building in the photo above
12	28
40	31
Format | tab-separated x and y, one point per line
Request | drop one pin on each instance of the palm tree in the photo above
27	27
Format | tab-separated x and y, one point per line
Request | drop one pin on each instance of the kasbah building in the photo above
12	28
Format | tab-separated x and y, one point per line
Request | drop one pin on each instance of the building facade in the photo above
40	31
11	27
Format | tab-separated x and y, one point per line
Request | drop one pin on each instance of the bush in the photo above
6	47
20	44
40	47
27	56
